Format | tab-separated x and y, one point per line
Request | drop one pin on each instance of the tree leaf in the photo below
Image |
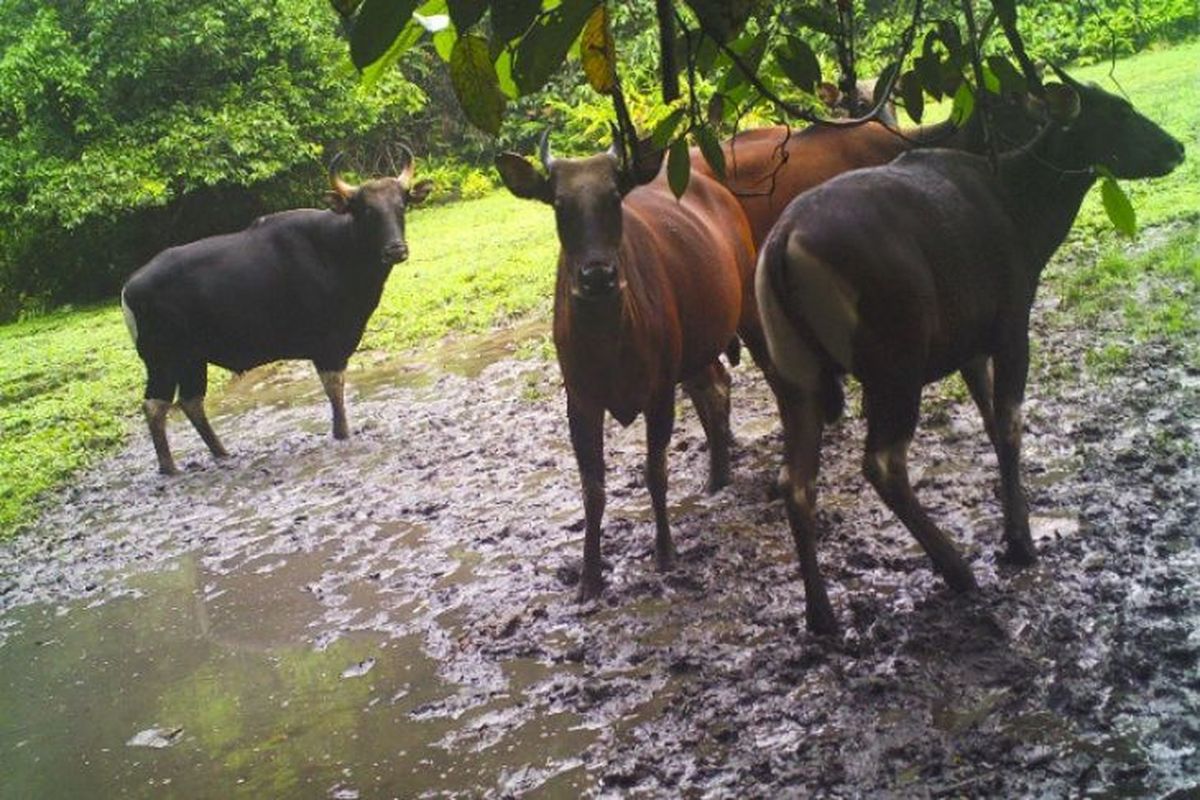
665	129
1011	79
912	95
948	33
544	46
409	36
964	104
713	154
476	84
716	109
679	166
1116	204
465	13
511	18
929	70
816	18
443	42
722	19
799	63
377	26
1006	10
597	52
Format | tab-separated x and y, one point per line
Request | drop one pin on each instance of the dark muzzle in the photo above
597	279
395	252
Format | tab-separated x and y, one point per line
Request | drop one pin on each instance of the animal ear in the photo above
418	193
522	179
1062	103
337	202
647	162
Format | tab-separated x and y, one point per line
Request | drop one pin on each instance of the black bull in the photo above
298	284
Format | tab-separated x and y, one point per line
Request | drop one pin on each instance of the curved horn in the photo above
335	180
1064	77
406	165
617	148
544	149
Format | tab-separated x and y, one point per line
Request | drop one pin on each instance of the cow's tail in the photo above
130	319
733	351
793	349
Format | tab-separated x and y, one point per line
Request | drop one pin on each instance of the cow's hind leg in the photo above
660	422
1012	367
803	413
891	422
193	385
710	395
977	374
160	392
333	379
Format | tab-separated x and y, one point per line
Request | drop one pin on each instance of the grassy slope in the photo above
70	382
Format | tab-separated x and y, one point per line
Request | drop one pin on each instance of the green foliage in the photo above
125	127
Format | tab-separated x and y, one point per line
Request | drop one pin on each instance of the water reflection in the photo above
263	712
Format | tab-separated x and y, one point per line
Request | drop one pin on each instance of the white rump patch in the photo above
828	303
130	320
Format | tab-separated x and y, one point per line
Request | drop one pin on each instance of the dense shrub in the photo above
127	126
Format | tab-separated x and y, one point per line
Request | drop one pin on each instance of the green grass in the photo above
70	381
1155	293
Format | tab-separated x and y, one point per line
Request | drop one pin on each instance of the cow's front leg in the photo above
334	382
660	422
587	439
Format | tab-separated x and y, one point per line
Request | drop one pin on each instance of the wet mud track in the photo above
395	615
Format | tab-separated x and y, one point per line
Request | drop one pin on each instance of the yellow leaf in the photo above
597	51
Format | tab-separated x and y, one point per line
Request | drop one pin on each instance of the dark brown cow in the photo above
649	293
297	284
906	273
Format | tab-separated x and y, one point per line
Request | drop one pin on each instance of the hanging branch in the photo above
844	44
796	111
1007	14
668	69
982	101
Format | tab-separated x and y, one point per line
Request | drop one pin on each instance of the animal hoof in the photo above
170	470
664	557
341	434
1022	554
590	589
220	454
962	579
820	620
717	482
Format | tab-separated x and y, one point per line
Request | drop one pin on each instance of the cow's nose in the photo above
598	277
395	252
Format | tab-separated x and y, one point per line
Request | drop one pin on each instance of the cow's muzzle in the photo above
395	252
597	279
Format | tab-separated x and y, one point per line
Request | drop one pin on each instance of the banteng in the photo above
297	284
905	273
650	291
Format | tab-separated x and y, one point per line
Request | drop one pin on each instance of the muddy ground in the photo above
436	556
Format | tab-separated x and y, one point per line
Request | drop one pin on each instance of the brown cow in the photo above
649	293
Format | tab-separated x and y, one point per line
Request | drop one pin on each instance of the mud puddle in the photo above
394	615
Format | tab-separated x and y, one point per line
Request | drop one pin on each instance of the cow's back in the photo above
764	182
265	293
